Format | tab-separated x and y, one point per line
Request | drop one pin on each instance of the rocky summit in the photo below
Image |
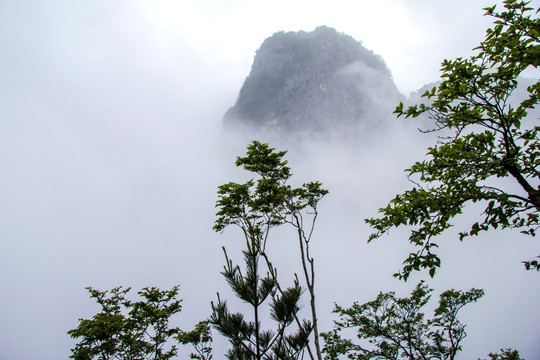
322	84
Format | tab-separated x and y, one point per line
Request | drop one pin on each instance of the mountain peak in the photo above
322	83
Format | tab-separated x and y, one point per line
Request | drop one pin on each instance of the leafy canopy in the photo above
505	354
257	206
126	329
394	328
486	139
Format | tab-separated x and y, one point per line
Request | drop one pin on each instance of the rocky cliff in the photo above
321	84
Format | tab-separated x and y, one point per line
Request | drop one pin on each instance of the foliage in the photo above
491	140
201	340
126	329
259	205
506	354
395	328
247	338
532	264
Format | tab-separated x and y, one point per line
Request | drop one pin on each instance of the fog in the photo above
111	150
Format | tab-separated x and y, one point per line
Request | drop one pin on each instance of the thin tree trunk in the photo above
311	287
257	339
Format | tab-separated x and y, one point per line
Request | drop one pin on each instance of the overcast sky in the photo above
111	151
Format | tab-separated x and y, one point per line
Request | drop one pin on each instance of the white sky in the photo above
412	36
110	155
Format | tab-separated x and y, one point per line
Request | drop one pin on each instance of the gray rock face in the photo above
321	84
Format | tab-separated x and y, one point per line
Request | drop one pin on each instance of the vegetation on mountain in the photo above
318	84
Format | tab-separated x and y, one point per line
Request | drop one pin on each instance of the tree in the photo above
486	138
247	338
394	328
126	329
258	206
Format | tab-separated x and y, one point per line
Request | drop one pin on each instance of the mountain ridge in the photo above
321	84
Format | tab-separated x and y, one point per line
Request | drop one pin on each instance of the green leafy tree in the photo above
486	140
258	206
394	328
126	329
